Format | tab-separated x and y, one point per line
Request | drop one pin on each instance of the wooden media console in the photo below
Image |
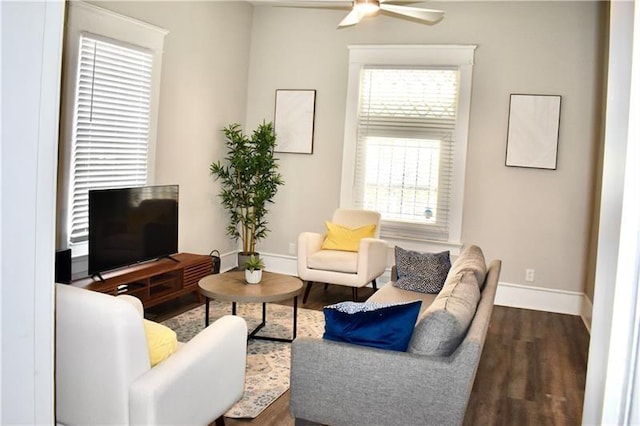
154	282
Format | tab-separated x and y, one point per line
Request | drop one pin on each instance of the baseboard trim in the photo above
511	295
228	261
279	263
587	312
542	299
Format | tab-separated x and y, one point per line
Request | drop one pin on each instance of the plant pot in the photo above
253	277
242	259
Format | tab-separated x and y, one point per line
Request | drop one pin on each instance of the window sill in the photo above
423	245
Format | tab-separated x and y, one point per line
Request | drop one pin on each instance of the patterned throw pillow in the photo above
384	326
422	272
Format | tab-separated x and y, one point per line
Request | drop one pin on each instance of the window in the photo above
111	124
109	111
405	138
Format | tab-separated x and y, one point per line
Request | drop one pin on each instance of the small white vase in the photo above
253	277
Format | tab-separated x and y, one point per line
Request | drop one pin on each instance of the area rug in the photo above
267	375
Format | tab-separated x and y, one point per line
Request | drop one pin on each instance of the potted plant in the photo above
249	180
253	271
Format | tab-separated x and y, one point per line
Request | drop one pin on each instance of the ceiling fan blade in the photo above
304	3
352	18
313	6
427	15
400	2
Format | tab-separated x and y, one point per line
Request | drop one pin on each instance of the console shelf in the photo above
154	282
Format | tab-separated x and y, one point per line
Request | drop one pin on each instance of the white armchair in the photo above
353	269
104	376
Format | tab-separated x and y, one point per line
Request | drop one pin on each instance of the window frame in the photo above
88	19
459	56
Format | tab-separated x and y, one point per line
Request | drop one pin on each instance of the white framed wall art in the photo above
294	120
533	131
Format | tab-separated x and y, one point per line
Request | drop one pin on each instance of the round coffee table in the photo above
232	287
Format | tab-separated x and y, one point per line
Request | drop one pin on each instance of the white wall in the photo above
203	88
31	55
529	218
223	62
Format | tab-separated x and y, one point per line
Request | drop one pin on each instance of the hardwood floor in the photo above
532	370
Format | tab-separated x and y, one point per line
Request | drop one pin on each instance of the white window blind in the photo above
111	123
406	124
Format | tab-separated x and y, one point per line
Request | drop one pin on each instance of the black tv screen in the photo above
131	225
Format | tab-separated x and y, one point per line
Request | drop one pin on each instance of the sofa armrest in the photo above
338	383
372	258
199	382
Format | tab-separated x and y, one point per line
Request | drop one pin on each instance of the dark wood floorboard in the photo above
532	370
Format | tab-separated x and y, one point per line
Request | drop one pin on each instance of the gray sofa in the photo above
338	383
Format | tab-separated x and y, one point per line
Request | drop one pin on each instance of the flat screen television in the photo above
131	225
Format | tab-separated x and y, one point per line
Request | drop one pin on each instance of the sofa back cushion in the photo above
471	259
442	327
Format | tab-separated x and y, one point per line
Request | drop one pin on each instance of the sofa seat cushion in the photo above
390	294
471	259
442	327
384	326
334	260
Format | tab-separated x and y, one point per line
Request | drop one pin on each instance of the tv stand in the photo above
170	257
154	282
99	275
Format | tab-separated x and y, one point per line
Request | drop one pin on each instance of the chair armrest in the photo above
394	273
199	382
340	383
133	301
372	258
308	244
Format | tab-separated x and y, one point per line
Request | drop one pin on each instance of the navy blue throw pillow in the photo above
372	324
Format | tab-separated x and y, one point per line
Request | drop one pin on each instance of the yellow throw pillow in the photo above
161	340
342	238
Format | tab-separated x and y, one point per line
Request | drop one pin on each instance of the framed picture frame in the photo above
294	120
533	131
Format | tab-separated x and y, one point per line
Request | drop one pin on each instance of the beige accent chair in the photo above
352	269
104	375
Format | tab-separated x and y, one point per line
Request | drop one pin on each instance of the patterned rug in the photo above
267	375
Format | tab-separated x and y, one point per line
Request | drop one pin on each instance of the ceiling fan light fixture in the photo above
366	7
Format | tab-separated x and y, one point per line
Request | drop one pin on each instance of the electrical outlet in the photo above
292	248
529	275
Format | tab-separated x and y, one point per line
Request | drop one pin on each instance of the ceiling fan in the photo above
363	8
